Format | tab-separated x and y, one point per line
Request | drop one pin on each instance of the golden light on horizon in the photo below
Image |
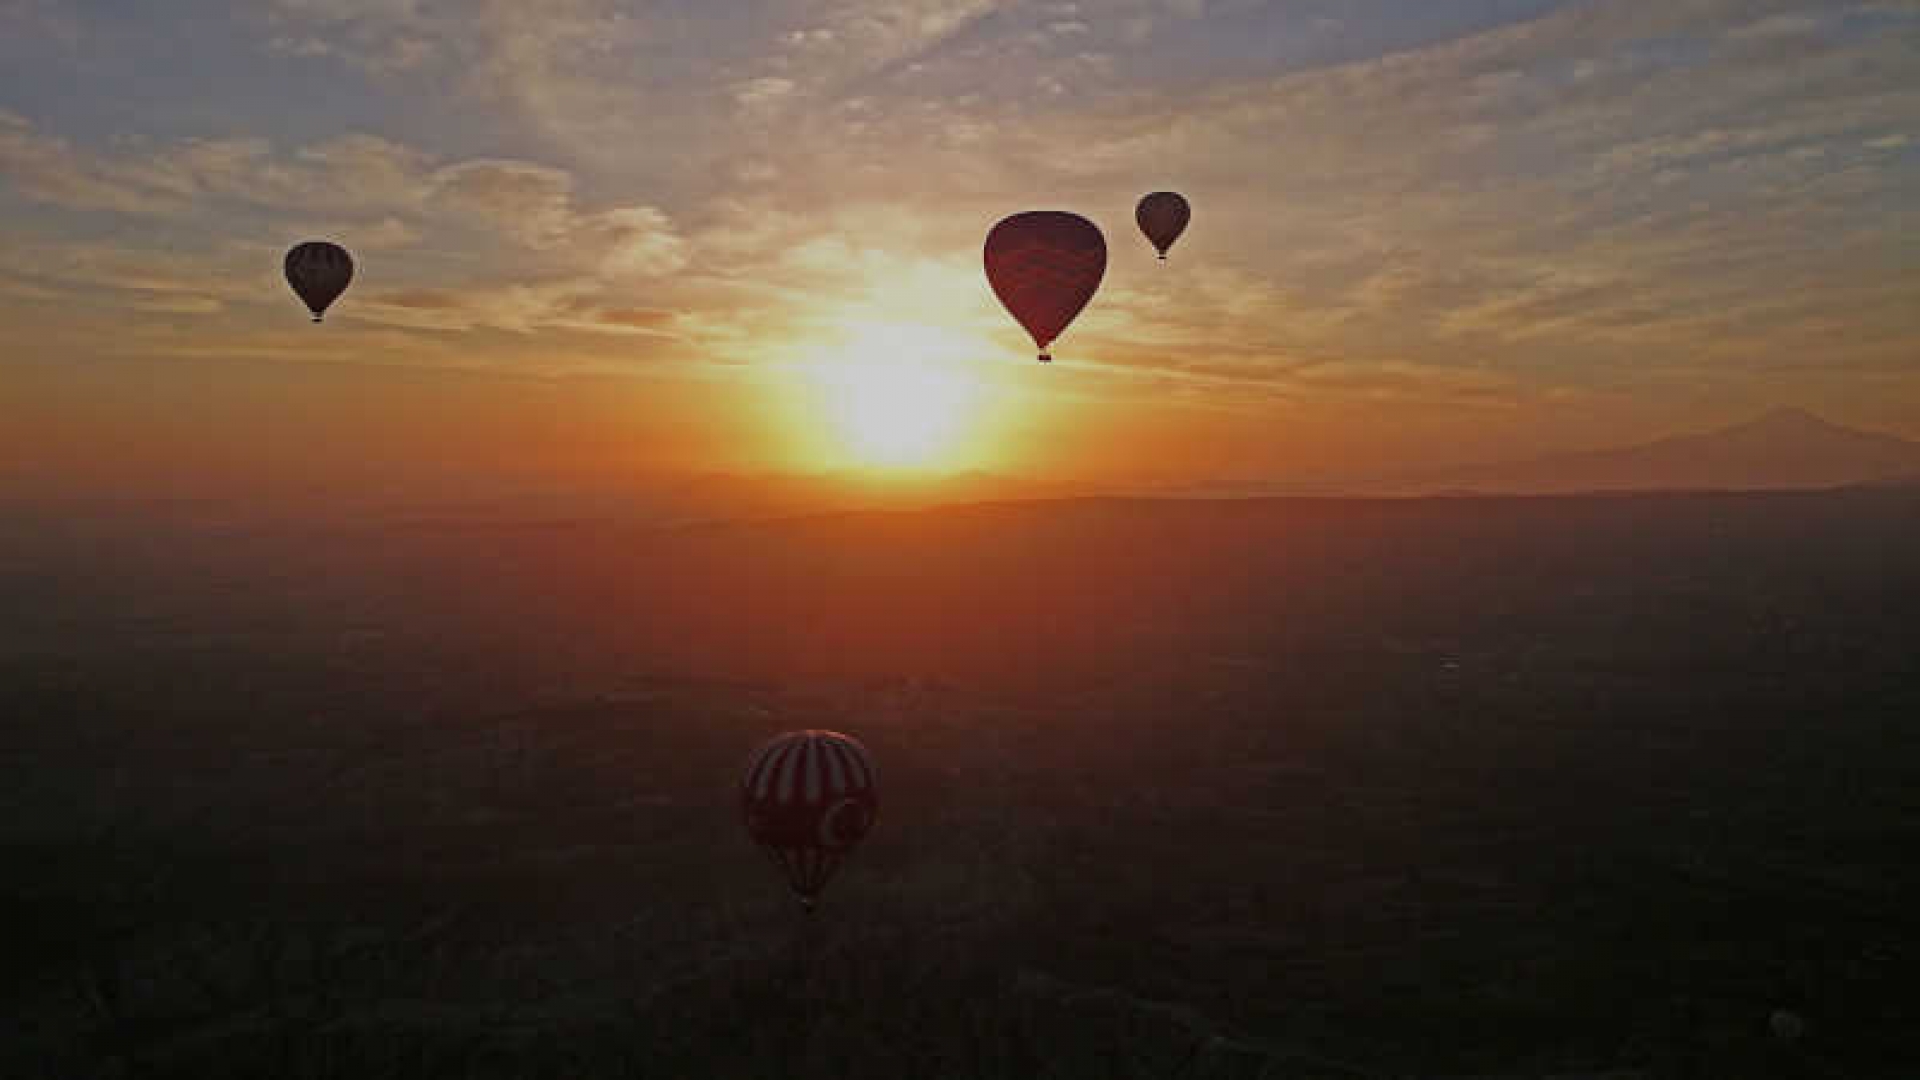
898	395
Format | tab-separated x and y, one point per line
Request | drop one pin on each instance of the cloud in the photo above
761	92
50	170
506	242
635	241
1540	194
1611	186
303	46
398	187
639	318
39	22
580	304
803	39
86	274
177	304
377	36
532	203
349	173
22	289
1781	25
387	234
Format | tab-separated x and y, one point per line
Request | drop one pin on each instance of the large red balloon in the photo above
1163	216
1044	265
319	272
808	797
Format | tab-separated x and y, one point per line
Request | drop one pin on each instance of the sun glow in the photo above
898	395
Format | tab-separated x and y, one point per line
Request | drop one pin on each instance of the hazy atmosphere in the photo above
832	540
633	238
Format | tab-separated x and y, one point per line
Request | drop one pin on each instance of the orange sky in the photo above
222	427
597	244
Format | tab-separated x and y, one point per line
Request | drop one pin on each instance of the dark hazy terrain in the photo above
1278	788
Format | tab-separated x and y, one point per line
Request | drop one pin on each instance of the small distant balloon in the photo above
1163	216
319	272
808	798
1045	265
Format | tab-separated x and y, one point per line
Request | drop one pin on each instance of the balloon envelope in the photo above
1163	216
808	798
319	272
1044	265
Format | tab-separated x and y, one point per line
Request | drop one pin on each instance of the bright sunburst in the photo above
898	395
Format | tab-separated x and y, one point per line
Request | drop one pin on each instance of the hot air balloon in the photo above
319	273
1163	216
1044	265
808	797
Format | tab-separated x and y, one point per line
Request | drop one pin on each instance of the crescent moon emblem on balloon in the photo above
826	834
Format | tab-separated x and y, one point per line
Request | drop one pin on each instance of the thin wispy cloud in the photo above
1518	199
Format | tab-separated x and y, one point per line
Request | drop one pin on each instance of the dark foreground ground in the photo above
1582	787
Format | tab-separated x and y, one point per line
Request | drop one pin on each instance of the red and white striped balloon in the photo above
808	797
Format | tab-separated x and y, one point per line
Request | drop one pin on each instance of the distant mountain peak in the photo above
1791	418
1786	447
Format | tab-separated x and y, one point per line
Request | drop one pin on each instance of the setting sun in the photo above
897	395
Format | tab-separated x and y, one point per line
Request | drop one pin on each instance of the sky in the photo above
600	238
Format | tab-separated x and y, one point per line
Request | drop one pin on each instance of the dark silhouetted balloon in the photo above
808	797
1044	265
1163	216
319	272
